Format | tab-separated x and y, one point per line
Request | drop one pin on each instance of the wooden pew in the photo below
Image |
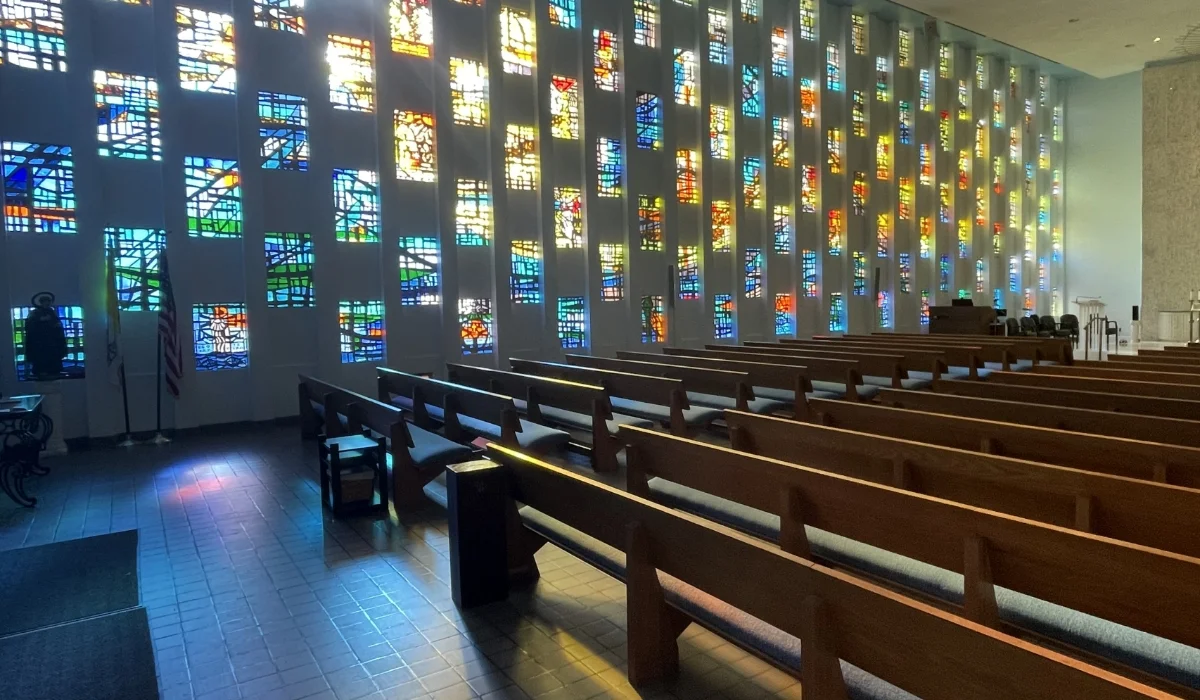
1057	349
991	350
890	365
1078	570
1174	350
820	368
1172	431
1135	459
793	379
454	400
1153	359
718	382
834	615
1131	510
1122	362
936	360
409	475
590	402
1138	375
1104	386
957	354
656	391
1116	403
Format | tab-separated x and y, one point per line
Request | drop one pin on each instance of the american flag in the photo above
167	330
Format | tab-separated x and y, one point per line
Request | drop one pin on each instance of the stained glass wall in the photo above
506	178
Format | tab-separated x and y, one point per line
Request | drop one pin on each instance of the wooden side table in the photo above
353	474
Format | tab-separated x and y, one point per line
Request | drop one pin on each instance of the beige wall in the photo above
1170	188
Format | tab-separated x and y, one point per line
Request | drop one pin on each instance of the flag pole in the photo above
128	441
159	438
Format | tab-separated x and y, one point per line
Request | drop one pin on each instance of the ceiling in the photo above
1095	43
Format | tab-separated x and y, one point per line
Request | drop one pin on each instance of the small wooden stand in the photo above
353	474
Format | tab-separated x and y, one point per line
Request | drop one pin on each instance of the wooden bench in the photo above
417	455
557	402
1057	349
1173	350
465	412
705	386
1144	365
1137	375
659	399
1104	386
878	367
957	355
830	375
992	351
782	383
1153	359
1131	510
1172	431
939	361
927	542
677	570
1117	403
1135	459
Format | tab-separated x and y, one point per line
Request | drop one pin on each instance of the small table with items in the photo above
24	430
353	474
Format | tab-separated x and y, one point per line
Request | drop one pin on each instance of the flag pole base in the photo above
127	442
160	439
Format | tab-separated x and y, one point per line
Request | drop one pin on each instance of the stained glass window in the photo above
723	316
751	92
835	151
606	66
998	298
289	269
564	107
944	61
687	189
645	23
980	72
472	213
997	109
998	175
420	274
654	319
808	103
964	238
858	113
905	122
754	268
905	273
718	36
781	226
925	159
1014	210
810	198
572	322
752	189
214	197
685	77
980	139
31	34
134	251
360	324
650	222
906	198
808	271
722	226
882	80
718	132
944	273
979	268
689	273
1014	145
784	321
884	304
808	20
356	205
997	238
964	101
416	153
750	11
127	123
858	34
72	324
469	92
926	94
475	326
779	52
39	188
1056	244
411	25
280	15
860	274
944	130
945	203
1014	274
836	231
568	217
612	271
964	169
925	225
1056	123
283	128
520	157
781	147
648	112
924	307
220	337
904	50
525	283
206	53
837	313
858	194
351	75
565	14
608	164
883	158
518	44
883	234
981	206
833	68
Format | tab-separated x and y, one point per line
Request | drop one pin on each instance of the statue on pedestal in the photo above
45	340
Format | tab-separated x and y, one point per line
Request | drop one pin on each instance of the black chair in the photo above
1046	327
1068	327
1012	326
1029	326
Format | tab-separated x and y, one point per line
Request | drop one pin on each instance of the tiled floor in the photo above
253	593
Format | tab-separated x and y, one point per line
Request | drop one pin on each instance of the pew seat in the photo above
788	396
1145	652
953	372
533	436
694	417
759	404
912	383
866	392
572	419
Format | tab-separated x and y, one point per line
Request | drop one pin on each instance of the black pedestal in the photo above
476	500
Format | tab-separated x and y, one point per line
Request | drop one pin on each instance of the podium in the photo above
961	320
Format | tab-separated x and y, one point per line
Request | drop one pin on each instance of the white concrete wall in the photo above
1103	193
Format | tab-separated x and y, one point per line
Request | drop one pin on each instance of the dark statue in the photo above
45	341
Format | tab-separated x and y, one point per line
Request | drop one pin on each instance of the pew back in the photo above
1143	365
359	410
873	363
956	354
702	380
826	369
455	399
1117	403
935	360
1138	375
1057	349
1105	386
998	349
548	391
636	387
793	379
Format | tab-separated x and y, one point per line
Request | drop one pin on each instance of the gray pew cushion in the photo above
405	403
731	623
694	416
913	383
865	391
319	409
535	437
760	404
1018	366
430	449
580	421
789	396
952	373
1154	655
